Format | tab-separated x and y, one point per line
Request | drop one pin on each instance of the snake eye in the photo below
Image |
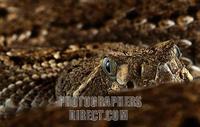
109	66
177	51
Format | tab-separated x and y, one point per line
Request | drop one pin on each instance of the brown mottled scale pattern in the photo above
33	78
28	76
78	22
28	28
159	108
145	67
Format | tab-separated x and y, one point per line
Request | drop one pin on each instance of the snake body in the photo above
38	39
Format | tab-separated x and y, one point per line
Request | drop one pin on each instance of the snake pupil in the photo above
108	66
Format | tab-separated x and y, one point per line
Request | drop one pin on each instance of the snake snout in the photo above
172	72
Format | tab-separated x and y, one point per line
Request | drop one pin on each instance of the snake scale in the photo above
96	47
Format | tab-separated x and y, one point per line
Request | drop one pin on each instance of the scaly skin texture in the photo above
29	77
159	108
138	68
27	23
47	24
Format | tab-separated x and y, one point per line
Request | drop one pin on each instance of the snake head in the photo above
117	69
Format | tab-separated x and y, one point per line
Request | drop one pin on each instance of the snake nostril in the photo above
130	84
